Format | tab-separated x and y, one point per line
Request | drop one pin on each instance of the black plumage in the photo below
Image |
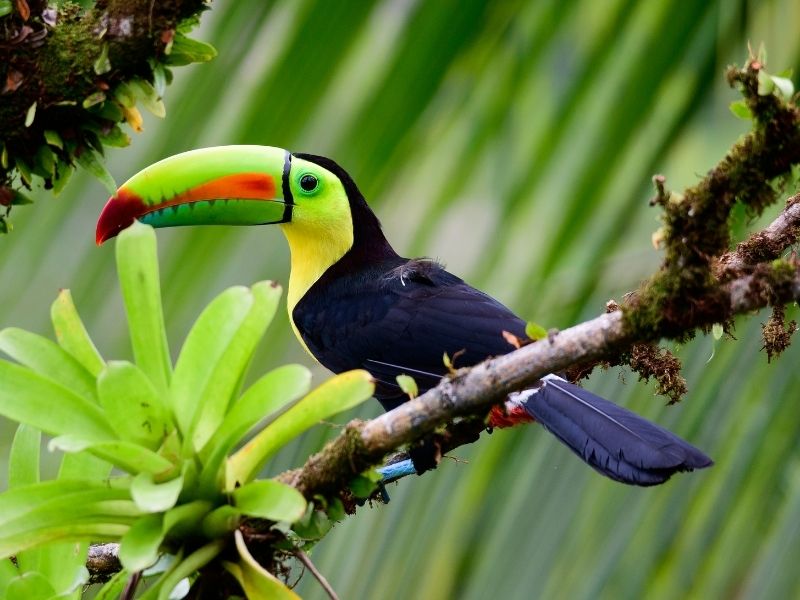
396	315
378	311
613	440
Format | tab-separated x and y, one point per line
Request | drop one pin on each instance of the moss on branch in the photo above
696	229
70	76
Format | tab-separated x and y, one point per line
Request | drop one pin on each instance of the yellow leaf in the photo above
256	581
133	118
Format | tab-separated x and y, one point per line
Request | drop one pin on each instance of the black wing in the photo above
402	321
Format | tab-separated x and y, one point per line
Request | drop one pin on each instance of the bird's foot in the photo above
426	455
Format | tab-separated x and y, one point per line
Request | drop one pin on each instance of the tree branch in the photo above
767	244
474	390
683	296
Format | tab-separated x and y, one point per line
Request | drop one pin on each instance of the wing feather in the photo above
392	327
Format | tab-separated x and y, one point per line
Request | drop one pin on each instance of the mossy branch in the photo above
696	230
70	76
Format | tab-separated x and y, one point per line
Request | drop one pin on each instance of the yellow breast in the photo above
313	250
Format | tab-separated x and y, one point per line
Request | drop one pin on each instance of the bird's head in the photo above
316	203
237	185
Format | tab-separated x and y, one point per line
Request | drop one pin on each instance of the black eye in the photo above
308	183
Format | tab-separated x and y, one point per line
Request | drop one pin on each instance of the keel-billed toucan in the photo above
355	303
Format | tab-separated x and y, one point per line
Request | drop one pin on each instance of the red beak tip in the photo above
118	213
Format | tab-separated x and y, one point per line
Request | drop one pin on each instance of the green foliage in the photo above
780	84
516	142
409	385
366	483
740	109
172	432
185	51
87	85
535	331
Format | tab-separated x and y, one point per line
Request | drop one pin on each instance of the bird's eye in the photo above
309	183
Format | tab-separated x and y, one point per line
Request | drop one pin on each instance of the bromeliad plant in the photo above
172	432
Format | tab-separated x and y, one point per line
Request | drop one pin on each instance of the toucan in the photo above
354	303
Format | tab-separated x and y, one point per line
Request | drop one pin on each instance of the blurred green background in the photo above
515	141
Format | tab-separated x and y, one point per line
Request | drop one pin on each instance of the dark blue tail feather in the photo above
614	441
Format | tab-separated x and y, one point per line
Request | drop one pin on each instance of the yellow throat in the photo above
314	247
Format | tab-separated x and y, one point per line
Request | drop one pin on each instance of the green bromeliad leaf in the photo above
30	585
205	345
63	510
93	528
183	568
155	497
132	405
139	546
269	499
8	572
185	519
23	461
113	588
18	501
334	396
71	333
137	265
27	397
128	456
256	581
261	402
228	372
47	358
271	393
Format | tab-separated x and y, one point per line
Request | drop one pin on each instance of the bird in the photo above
355	303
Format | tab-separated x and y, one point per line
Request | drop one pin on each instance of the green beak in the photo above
226	185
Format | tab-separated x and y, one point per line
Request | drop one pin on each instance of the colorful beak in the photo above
226	185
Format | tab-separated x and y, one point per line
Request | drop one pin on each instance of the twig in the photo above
767	244
303	558
130	588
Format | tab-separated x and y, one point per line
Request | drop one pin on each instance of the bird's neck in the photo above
311	255
335	248
321	254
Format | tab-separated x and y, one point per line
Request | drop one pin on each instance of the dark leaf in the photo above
23	9
14	78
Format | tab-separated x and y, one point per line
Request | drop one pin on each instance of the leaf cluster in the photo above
72	76
152	452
